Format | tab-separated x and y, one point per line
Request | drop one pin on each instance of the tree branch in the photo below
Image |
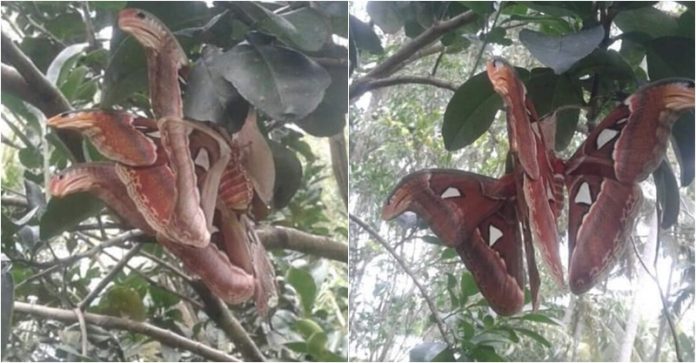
218	312
428	36
288	238
39	91
164	336
386	82
339	164
404	266
52	99
109	277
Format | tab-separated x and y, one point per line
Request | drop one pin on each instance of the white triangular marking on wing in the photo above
583	195
623	120
202	159
494	235
605	136
451	192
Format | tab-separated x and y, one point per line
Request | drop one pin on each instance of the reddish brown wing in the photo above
475	215
514	94
117	135
653	110
602	176
540	189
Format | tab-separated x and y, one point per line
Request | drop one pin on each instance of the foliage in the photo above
577	59
241	52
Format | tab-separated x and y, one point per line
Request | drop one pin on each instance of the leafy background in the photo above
241	53
419	99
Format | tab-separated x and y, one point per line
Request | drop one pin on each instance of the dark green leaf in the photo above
62	214
288	171
648	20
670	57
683	144
485	353
329	118
560	53
305	28
209	97
667	194
304	284
534	335
539	318
426	352
497	35
364	37
281	82
470	112
686	24
432	239
385	14
337	11
468	285
607	63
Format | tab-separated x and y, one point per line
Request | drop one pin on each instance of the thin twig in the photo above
109	277
665	311
404	266
392	81
277	237
428	36
109	322
83	329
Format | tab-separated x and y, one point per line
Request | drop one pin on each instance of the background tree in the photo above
419	100
70	253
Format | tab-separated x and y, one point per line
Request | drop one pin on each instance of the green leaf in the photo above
497	35
288	171
485	353
432	240
426	352
305	286
282	82
470	112
329	118
209	97
648	20
560	53
363	36
308	327
683	144
534	335
468	285
30	157
122	301
539	318
667	194
607	63
670	57
316	344
62	214
386	15
305	28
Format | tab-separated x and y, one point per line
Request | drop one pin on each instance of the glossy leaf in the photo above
305	286
426	352
305	28
363	36
670	57
683	143
386	15
470	112
62	214
329	118
560	53
289	171
209	97
648	20
281	82
667	194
